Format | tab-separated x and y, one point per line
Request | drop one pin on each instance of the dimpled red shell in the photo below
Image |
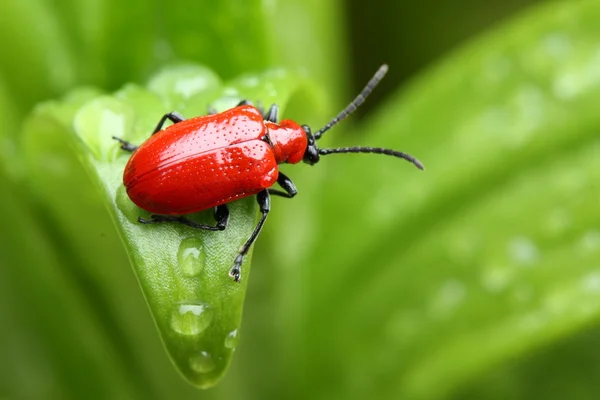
202	162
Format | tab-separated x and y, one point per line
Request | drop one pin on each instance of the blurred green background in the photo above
476	279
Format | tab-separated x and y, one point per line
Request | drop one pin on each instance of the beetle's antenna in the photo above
376	150
356	102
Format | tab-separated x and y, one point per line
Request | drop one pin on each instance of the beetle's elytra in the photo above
204	162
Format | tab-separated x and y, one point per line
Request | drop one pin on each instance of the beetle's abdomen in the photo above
196	182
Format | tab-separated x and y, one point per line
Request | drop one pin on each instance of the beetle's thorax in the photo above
288	140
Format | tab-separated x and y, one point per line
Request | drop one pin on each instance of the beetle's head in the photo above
311	155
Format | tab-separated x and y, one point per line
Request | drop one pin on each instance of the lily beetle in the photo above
205	162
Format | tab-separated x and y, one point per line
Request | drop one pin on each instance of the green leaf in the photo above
564	370
219	46
183	272
493	250
66	352
40	62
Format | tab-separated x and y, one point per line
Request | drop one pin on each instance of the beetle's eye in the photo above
312	155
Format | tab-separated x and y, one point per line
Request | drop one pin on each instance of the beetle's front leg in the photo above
125	145
174	117
264	202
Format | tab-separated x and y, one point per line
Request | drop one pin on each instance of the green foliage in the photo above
377	281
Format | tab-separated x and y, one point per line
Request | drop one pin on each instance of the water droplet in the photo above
191	318
202	362
523	251
231	340
191	256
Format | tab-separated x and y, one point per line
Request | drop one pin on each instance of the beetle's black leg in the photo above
125	145
221	216
271	115
264	203
287	185
174	117
244	103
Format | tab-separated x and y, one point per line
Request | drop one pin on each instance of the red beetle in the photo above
209	161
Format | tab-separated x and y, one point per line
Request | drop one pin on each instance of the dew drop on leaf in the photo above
231	339
191	256
202	362
191	318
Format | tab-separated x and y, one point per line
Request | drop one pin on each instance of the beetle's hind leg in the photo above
221	218
125	145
